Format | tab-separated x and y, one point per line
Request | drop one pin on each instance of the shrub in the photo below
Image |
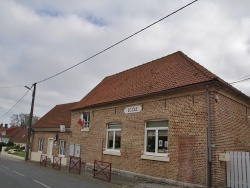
10	143
1	145
22	148
16	147
7	149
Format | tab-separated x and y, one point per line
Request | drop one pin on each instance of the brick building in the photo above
169	118
48	138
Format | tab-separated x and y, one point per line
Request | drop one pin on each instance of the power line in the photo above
243	80
15	104
117	43
8	87
100	51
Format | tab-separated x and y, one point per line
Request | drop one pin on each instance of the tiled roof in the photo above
20	136
173	71
11	131
59	115
2	129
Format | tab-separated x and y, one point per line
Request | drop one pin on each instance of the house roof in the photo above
11	131
59	115
173	71
2	129
19	136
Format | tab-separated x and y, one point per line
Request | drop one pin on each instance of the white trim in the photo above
156	154
48	147
155	158
40	144
112	152
63	149
156	129
114	130
85	129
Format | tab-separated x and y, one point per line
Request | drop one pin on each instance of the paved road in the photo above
16	173
19	174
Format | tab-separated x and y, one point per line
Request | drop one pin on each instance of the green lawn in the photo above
20	154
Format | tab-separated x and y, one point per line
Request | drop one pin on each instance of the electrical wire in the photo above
243	80
8	87
130	36
15	104
117	42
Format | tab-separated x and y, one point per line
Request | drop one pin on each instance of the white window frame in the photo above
156	129
86	121
62	152
112	151
40	145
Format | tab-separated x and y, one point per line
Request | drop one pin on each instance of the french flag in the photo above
81	120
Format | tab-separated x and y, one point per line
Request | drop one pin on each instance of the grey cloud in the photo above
41	38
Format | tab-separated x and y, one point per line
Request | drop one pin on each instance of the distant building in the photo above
48	137
15	134
20	136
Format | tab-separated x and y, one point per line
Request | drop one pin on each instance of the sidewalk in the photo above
117	181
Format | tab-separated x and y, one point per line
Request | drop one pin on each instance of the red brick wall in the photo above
230	131
50	135
187	116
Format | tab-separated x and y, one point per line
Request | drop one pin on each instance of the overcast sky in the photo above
41	38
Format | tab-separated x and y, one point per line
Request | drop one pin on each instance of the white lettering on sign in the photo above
133	109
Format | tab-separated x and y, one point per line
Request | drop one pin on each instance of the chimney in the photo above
1	125
6	125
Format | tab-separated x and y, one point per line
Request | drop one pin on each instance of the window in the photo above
40	145
156	138
86	119
113	137
62	147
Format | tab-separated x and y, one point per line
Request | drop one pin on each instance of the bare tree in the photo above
22	119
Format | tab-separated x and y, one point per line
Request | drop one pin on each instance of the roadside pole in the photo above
30	123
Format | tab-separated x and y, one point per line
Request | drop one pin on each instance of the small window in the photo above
113	140
156	138
40	145
86	119
62	147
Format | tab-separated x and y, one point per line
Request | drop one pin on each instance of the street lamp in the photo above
30	121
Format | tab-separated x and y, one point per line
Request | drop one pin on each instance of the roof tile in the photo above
59	115
173	71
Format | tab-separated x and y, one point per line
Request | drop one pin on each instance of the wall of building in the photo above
186	113
55	151
230	130
5	140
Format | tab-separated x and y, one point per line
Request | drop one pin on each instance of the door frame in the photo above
50	148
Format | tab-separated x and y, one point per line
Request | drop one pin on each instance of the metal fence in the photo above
75	164
102	170
57	163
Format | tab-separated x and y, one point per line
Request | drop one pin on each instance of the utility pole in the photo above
30	122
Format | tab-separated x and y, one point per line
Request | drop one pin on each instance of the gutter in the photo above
47	129
208	151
